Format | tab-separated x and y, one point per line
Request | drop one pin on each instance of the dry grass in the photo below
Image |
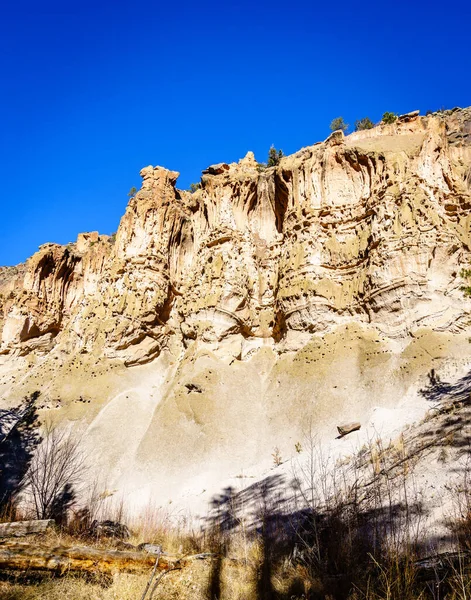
123	587
358	540
394	578
177	534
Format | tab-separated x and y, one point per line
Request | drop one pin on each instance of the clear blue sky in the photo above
93	91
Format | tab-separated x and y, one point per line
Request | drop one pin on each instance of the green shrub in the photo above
363	124
389	117
466	275
132	192
194	187
274	157
339	123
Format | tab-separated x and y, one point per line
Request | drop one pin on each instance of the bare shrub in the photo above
55	474
357	521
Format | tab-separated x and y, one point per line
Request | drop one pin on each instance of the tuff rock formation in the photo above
216	324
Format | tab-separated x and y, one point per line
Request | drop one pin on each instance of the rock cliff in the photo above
215	324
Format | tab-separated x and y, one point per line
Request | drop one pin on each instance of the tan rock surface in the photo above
218	323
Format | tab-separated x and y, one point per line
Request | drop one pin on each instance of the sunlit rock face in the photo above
341	264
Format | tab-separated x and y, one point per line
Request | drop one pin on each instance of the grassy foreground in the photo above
353	530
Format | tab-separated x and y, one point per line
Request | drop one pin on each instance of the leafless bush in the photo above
55	474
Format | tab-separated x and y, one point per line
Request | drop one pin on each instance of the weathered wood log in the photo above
348	428
40	557
22	528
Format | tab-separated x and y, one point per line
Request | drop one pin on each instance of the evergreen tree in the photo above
363	124
389	117
339	124
274	156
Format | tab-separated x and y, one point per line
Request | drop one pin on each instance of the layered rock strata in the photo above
343	256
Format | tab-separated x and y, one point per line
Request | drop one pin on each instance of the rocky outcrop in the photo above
37	299
373	227
341	263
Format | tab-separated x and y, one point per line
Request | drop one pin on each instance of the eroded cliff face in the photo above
220	321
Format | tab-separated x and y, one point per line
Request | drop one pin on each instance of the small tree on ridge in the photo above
274	157
389	117
339	124
365	123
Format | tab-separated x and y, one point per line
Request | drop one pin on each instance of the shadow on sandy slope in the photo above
441	391
339	540
332	545
451	422
19	436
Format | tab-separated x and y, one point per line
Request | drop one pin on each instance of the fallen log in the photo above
40	557
22	528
